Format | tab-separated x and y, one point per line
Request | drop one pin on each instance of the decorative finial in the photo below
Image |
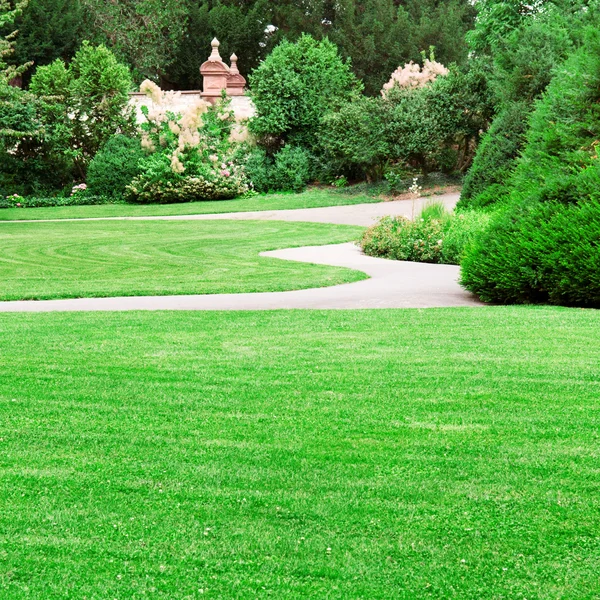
215	56
233	69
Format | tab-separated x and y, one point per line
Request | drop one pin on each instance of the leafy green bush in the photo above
496	156
85	104
295	86
355	139
292	169
289	170
436	236
538	252
115	166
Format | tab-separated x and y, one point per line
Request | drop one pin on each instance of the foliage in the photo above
29	160
190	155
83	105
434	237
496	157
538	252
436	127
561	144
356	139
9	12
48	29
78	199
145	33
295	86
288	170
115	166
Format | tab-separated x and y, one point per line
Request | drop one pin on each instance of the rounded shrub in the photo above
538	252
115	166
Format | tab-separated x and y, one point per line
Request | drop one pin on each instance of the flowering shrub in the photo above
434	237
412	76
190	155
78	189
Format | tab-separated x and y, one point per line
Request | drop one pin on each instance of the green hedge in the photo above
536	253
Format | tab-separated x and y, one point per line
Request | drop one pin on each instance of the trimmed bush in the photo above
539	252
115	166
496	157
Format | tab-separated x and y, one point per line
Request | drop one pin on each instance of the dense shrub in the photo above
564	130
434	237
538	252
115	166
292	169
496	157
355	139
288	170
295	86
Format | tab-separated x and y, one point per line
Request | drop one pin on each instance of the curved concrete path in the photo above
391	284
351	214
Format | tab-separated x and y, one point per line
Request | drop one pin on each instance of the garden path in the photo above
352	214
391	284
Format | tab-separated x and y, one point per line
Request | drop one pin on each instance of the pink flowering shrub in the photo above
189	154
413	76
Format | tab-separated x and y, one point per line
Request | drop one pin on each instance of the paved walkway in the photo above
391	284
353	214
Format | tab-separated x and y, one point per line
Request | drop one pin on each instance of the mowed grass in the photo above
133	258
312	198
445	453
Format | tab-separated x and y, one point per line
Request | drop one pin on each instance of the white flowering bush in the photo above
189	154
413	76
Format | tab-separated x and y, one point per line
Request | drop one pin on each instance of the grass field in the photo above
445	453
311	198
132	258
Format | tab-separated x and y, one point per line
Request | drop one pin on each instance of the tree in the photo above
295	86
48	29
145	33
8	15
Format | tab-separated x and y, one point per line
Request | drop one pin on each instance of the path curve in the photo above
349	214
392	284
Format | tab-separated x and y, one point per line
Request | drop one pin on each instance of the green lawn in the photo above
445	453
132	258
312	198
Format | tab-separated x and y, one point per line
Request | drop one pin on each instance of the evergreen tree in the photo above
48	29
